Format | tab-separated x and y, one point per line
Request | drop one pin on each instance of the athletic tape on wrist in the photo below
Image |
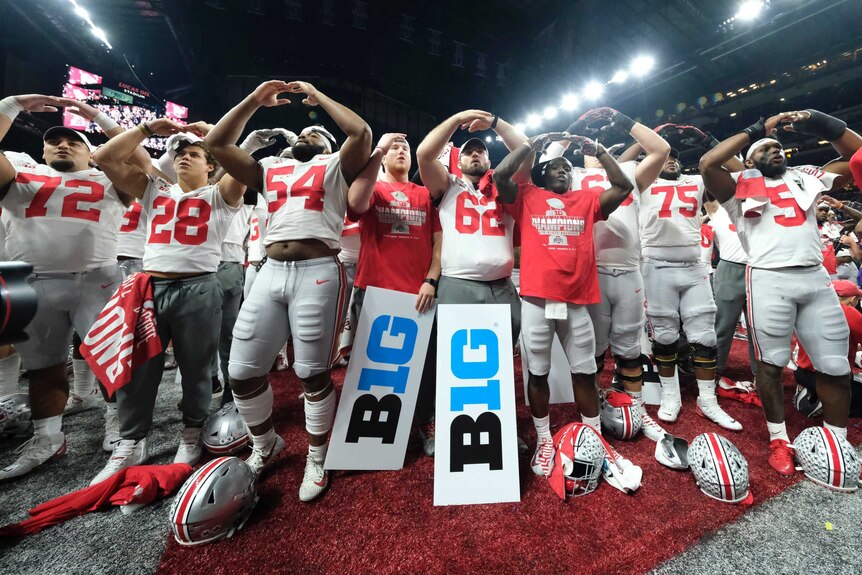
10	107
105	122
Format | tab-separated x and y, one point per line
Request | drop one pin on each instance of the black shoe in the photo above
217	388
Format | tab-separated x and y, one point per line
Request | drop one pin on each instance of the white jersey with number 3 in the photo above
185	230
782	234
61	221
133	232
307	200
670	219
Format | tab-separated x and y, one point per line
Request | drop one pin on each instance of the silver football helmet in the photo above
15	415
719	468
827	459
619	415
578	460
225	432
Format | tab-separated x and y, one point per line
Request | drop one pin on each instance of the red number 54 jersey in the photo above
307	200
61	221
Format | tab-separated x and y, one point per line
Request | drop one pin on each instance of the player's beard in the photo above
770	170
474	170
669	175
63	165
304	152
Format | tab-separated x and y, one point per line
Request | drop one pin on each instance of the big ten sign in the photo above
476	448
378	399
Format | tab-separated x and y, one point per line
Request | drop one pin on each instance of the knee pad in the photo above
705	357
632	363
319	415
664	354
834	365
255	410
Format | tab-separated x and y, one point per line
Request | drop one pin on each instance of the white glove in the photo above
260	139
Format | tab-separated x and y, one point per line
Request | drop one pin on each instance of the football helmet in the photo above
619	415
225	432
827	459
719	468
15	415
214	503
578	460
807	402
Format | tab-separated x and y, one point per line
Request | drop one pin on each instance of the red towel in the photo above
124	335
140	484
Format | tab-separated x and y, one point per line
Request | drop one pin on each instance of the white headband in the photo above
328	139
759	144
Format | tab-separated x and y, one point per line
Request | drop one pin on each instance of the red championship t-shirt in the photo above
558	259
397	237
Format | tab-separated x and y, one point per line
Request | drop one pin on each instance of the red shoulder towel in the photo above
136	485
124	335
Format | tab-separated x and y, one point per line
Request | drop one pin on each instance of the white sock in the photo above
84	380
10	366
839	431
110	407
706	390
265	441
318	452
543	427
48	426
596	422
637	398
670	386
777	431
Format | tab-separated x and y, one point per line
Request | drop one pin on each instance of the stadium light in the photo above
749	10
549	113
521	126
85	15
534	121
619	77
593	91
570	102
642	65
489	139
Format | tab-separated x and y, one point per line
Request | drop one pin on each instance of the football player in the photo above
301	288
773	208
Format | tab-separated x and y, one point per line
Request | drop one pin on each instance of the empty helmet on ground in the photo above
719	468
214	503
827	459
225	432
578	460
619	415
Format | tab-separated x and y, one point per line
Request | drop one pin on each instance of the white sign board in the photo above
476	448
381	385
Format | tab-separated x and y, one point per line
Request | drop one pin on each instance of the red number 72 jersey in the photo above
306	200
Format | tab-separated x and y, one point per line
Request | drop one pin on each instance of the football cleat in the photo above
807	402
79	404
713	412
672	452
34	452
260	459
651	428
671	402
127	453
781	457
543	459
315	480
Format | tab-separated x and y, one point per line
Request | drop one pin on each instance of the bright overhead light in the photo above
534	121
82	13
642	65
570	102
593	91
749	10
520	126
489	139
620	77
549	113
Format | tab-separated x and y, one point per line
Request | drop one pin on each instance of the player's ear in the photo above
749	163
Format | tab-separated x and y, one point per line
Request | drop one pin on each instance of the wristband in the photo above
626	123
145	130
756	131
710	142
432	282
821	125
105	122
494	121
10	107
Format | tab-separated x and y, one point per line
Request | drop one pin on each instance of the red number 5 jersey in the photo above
307	200
61	221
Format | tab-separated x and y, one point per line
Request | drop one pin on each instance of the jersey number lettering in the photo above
190	229
587	187
131	218
71	203
793	215
468	220
686	194
308	185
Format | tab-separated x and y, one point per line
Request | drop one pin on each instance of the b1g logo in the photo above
370	416
477	440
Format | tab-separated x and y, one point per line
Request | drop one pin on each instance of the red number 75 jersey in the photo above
61	221
306	200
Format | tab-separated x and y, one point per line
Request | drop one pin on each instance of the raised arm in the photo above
434	175
359	194
504	173
846	142
221	140
356	149
11	106
657	152
113	157
620	188
855	215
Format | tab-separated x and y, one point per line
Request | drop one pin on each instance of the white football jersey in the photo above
61	222
133	232
617	240
351	240
670	219
780	233
307	200
231	247
477	233
707	241
257	231
729	246
185	230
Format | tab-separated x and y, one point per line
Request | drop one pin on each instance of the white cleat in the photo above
261	458
34	452
127	453
81	403
112	431
543	459
191	448
315	480
713	412
651	428
669	409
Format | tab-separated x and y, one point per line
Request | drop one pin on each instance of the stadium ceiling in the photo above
439	57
